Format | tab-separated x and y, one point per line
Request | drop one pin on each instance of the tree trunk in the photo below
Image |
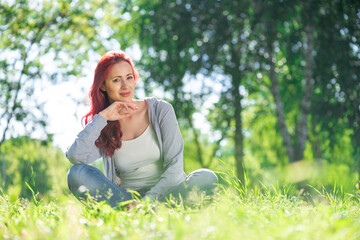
306	100
196	140
14	101
24	55
278	103
238	137
316	144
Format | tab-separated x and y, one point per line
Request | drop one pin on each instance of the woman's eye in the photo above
115	80
130	77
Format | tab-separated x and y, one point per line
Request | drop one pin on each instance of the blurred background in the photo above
265	90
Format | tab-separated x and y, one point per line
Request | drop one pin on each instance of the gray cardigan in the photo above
163	121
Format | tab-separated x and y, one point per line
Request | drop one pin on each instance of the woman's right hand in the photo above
118	110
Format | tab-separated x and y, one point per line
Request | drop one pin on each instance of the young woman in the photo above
139	141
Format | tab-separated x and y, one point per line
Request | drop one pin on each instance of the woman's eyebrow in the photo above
121	76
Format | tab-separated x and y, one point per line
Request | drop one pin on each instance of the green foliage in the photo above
191	161
184	39
46	42
33	167
263	142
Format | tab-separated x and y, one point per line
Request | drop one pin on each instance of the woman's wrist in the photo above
103	115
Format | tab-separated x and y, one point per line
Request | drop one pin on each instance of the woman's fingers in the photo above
133	106
125	109
127	105
118	110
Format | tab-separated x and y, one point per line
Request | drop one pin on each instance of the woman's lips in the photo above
125	94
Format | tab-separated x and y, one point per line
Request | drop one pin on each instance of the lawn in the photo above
254	213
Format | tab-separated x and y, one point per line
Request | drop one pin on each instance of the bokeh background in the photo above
266	90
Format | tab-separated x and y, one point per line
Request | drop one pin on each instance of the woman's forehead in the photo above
122	68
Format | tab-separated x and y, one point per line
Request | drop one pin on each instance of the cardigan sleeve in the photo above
83	149
173	147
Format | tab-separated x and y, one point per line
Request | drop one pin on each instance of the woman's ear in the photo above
103	88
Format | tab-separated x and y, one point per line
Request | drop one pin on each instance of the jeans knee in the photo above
209	176
204	178
74	175
74	171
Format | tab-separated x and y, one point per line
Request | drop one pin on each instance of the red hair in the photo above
110	137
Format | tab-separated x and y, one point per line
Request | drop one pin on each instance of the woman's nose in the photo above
124	84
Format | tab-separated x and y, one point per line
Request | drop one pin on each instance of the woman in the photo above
139	141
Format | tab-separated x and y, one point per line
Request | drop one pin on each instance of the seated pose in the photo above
139	141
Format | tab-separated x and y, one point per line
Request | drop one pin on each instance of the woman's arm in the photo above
173	146
83	150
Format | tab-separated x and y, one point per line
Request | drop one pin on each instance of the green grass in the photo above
254	213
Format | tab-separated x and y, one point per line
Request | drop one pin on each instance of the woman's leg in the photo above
203	179
85	179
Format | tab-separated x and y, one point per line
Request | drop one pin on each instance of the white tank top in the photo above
138	163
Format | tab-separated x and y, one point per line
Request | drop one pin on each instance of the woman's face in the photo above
119	83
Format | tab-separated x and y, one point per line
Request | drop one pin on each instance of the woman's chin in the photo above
125	99
122	98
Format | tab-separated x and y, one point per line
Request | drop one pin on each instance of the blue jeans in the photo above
84	180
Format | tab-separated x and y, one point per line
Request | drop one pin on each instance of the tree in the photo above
336	98
291	47
272	17
44	41
311	55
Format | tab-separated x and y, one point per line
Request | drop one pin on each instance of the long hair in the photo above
110	137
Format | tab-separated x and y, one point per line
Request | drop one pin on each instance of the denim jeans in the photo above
84	180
